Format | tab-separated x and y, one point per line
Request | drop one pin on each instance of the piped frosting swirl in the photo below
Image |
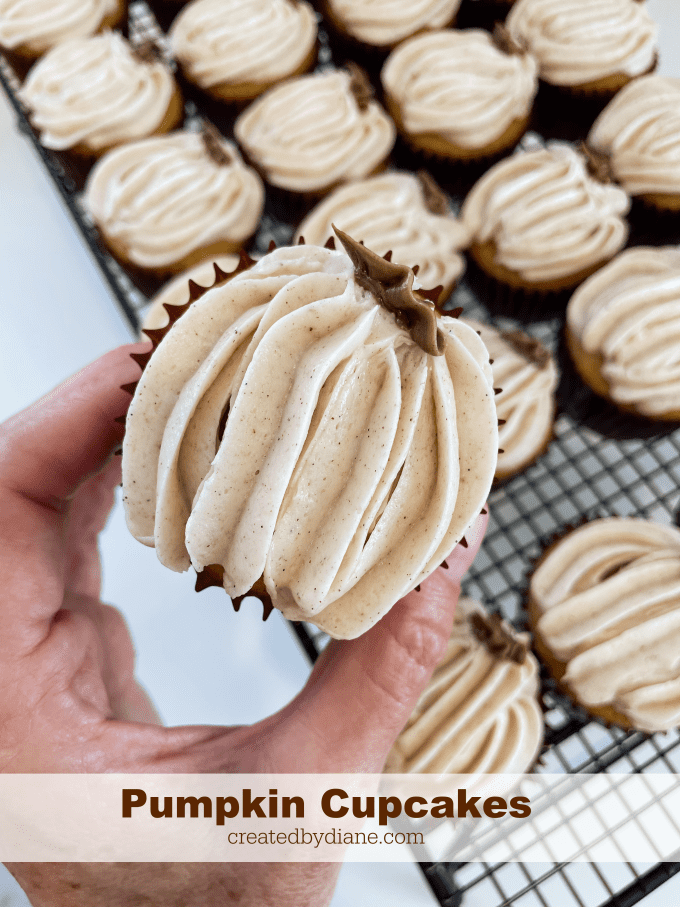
235	42
97	92
577	42
40	24
546	216
350	463
459	85
608	599
310	133
392	212
639	130
386	22
480	711
163	198
527	375
628	315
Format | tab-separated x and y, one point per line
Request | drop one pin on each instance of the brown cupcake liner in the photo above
651	224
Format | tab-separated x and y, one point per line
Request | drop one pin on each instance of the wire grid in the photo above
592	468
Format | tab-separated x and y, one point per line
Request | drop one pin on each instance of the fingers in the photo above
46	453
362	691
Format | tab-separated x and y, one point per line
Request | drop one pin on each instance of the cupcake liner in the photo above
563	115
651	225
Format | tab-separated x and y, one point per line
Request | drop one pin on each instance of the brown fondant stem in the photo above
528	347
392	286
500	642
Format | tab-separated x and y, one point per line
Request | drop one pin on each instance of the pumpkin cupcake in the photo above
381	25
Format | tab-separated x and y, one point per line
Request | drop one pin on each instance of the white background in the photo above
201	662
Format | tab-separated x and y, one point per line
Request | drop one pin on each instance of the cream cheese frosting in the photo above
176	291
311	133
40	24
628	314
235	42
479	713
639	130
163	198
581	41
459	85
546	216
608	595
94	90
383	23
527	375
350	463
395	212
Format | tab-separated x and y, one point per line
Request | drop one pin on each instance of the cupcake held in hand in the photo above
311	430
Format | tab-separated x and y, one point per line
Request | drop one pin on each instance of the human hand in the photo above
69	701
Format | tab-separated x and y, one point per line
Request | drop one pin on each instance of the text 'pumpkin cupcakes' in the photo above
586	46
639	133
312	133
539	220
87	95
480	712
237	49
605	609
623	332
385	23
30	27
526	373
311	429
165	203
458	95
396	212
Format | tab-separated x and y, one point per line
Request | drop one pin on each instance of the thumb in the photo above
362	691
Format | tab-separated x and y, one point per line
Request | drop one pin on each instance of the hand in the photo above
69	701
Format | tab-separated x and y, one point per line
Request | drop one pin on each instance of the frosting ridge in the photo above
387	22
40	24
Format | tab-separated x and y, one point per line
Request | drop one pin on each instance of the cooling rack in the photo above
598	464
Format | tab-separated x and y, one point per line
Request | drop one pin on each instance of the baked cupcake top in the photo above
290	430
383	23
176	291
608	596
628	314
316	131
577	42
639	130
545	215
40	24
237	42
96	91
396	212
527	375
480	711
162	198
460	85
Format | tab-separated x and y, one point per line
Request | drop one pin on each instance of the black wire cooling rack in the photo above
598	464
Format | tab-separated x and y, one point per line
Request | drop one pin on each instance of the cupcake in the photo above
311	431
28	28
382	25
165	203
639	134
460	95
586	47
623	332
540	222
605	608
87	95
400	213
480	712
177	292
527	376
314	132
237	49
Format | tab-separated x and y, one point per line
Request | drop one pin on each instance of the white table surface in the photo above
201	662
